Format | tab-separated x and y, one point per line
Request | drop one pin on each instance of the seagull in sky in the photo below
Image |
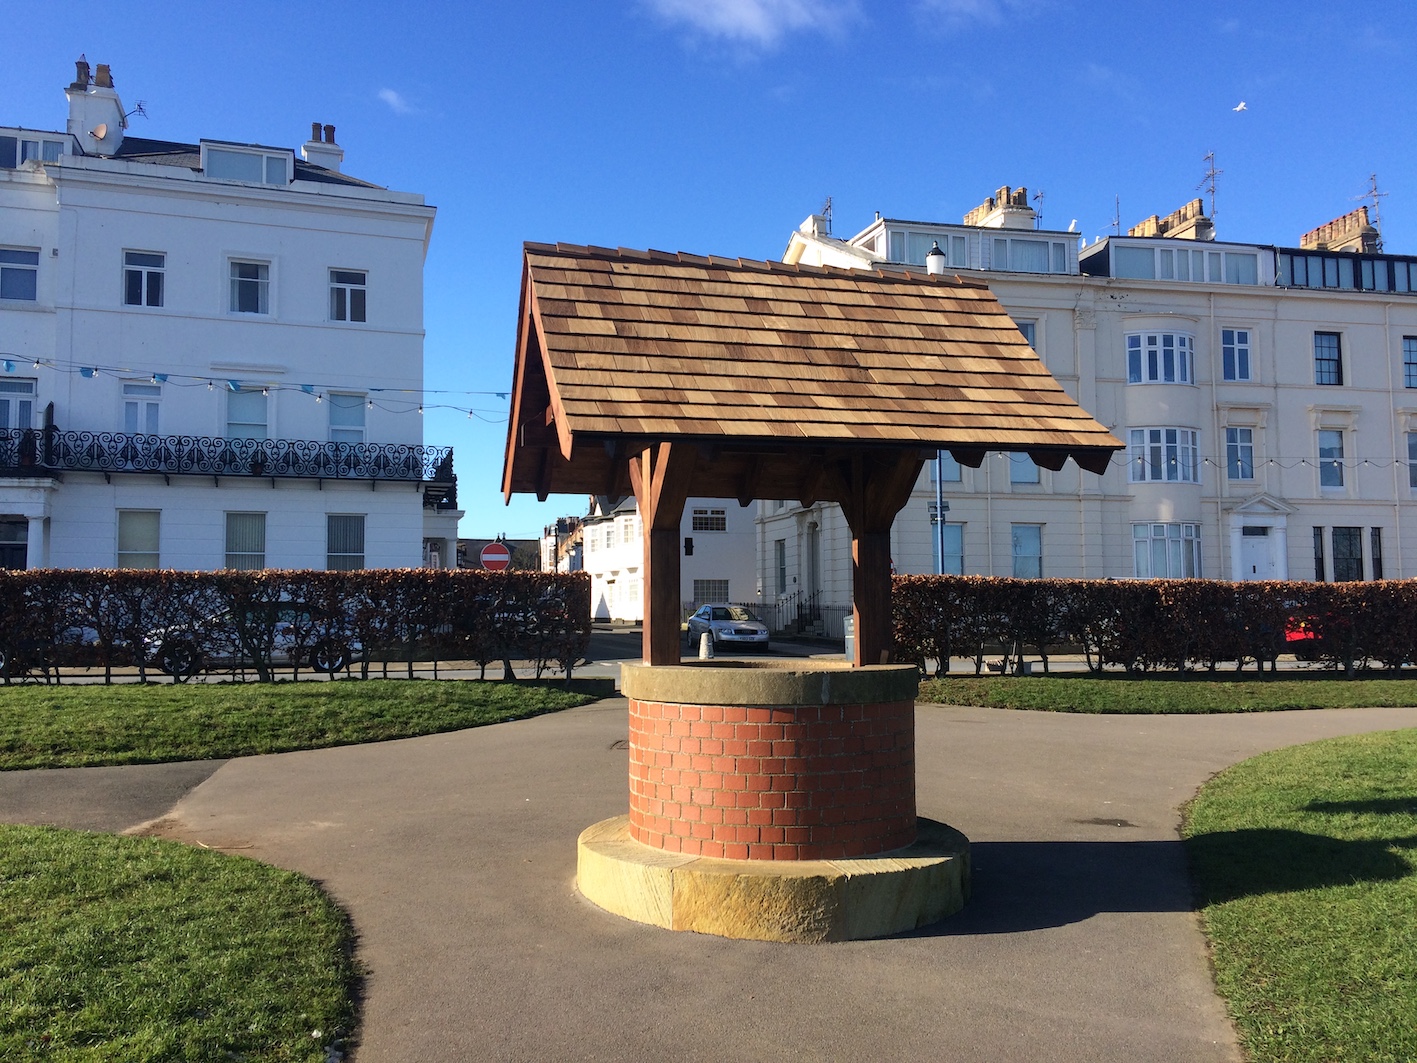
1242	107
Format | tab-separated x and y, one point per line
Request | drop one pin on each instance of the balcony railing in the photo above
47	451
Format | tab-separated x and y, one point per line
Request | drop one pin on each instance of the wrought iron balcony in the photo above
42	452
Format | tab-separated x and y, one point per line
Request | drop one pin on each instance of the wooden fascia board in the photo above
514	415
563	429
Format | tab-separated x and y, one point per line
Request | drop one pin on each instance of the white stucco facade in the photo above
166	297
1276	445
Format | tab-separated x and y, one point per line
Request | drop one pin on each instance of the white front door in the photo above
1257	553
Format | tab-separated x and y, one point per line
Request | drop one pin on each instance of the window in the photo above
1328	358
19	274
1159	358
1022	470
143	273
1351	271
913	247
1030	332
1235	353
140	408
1409	361
1169	454
779	561
1167	551
1240	453
1376	540
346	417
15	151
17	403
256	167
1411	458
954	549
946	468
347	295
1319	554
1170	263
710	590
246	414
250	287
246	540
1347	554
709	520
344	539
1027	550
138	538
1330	458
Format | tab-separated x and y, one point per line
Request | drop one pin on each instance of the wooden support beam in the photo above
748	484
660	475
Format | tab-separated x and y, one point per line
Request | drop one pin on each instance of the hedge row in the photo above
185	622
1149	624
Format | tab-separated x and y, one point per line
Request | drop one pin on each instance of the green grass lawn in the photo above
118	948
1305	862
1076	693
72	726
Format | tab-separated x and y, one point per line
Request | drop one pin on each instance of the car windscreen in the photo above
736	612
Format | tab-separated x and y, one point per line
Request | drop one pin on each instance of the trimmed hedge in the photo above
54	617
1151	624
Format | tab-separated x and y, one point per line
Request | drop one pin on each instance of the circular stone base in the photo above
776	900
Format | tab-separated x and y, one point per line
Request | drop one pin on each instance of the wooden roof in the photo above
768	367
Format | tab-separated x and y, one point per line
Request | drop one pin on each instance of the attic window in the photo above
256	167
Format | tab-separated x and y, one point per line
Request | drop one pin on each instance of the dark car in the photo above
729	626
296	634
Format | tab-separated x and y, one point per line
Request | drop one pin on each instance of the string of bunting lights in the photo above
388	399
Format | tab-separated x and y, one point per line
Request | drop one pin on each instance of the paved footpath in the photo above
455	855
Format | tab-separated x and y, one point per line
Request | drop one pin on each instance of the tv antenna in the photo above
827	214
1208	181
1117	215
1377	198
140	108
1038	210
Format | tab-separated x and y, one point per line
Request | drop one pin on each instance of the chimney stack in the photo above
104	78
321	149
81	74
1352	232
1186	223
96	118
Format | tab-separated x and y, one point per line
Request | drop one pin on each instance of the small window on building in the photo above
1164	454
347	288
1328	358
710	520
1375	539
140	408
1030	332
779	560
250	287
255	167
1240	453
710	590
344	536
19	274
1235	353
1330	459
1347	554
246	414
1167	551
954	549
948	468
143	276
1319	574
138	536
1022	470
1411	459
17	403
347	416
246	540
1409	361
1027	550
1159	358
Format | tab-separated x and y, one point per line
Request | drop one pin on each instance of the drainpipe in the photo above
1393	433
1222	534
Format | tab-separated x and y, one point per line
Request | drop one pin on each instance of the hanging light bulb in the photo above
210	385
420	409
371	404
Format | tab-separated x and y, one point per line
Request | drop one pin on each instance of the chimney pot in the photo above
314	130
329	134
104	79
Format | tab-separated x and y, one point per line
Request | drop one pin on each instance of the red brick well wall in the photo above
794	783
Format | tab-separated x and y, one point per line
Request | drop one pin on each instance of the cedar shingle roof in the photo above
766	358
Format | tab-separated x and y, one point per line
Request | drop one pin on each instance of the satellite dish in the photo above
99	131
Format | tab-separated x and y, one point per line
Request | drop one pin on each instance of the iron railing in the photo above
45	451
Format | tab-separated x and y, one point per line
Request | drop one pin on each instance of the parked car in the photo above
297	635
729	626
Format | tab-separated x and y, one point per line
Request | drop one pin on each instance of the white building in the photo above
717	565
211	354
1268	397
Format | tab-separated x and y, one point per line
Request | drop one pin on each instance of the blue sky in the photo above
716	126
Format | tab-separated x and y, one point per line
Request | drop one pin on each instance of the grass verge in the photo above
118	948
1305	863
1089	694
76	726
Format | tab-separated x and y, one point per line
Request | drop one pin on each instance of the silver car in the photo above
729	625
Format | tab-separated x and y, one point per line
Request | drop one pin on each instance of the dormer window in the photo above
253	165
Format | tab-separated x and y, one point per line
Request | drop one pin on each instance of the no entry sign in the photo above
495	557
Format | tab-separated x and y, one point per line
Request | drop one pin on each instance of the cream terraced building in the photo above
1267	396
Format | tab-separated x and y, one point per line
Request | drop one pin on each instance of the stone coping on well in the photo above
769	683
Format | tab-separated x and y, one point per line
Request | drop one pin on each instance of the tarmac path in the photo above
455	856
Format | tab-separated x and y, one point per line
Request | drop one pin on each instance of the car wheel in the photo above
330	655
179	659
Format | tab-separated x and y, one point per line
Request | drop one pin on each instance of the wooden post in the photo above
660	475
871	593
